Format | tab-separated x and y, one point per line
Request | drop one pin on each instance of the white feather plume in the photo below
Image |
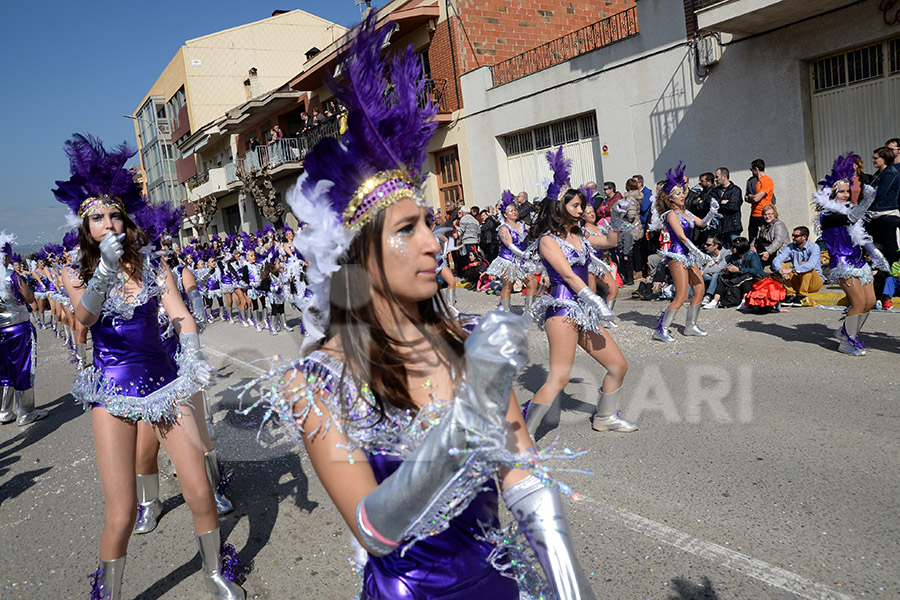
322	243
5	287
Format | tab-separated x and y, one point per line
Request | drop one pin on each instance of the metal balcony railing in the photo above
435	90
286	150
607	31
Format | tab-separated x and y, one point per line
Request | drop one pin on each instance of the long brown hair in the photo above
370	354
664	202
132	260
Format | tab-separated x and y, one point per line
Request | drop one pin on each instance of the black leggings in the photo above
255	302
277	308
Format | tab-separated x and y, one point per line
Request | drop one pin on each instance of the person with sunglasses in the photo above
804	275
712	271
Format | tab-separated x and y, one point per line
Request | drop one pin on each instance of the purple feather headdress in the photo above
54	250
674	178
506	200
70	240
561	167
159	219
377	162
15	258
843	169
41	254
99	178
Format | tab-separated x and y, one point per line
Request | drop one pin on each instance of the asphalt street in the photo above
765	466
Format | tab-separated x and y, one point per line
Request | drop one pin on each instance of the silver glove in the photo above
878	260
197	308
617	215
104	275
604	266
418	490
202	370
697	254
597	302
712	214
539	512
520	253
868	197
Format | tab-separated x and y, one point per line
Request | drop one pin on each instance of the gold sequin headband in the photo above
378	192
88	205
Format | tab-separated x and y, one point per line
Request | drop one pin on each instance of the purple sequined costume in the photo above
846	259
133	375
507	266
677	249
17	339
563	301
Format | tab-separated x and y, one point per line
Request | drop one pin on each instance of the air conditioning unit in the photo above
709	50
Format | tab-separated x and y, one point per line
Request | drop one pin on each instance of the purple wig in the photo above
561	167
674	178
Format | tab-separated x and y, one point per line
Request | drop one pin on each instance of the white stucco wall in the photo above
652	109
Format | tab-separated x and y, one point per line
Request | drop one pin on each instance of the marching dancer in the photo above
599	271
117	291
406	421
17	343
843	231
513	263
571	313
683	257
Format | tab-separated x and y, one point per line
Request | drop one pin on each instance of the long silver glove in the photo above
868	197
712	214
697	254
422	485
201	370
197	308
519	253
617	216
539	511
604	266
878	259
597	302
104	275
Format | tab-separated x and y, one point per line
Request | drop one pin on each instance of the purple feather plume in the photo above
506	200
674	178
54	250
230	561
70	240
95	172
843	169
388	125
561	167
159	219
41	254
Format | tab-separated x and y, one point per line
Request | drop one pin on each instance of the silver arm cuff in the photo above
539	512
197	308
604	267
868	197
697	253
590	297
95	293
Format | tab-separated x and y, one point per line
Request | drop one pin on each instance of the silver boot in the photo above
451	295
208	417
850	342
607	417
611	324
529	300
149	506
244	321
107	579
25	411
217	583
7	414
256	318
81	354
223	504
284	324
690	321
661	332
504	304
535	415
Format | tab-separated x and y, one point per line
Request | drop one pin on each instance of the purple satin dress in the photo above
677	250
519	240
133	374
507	266
450	565
846	259
17	340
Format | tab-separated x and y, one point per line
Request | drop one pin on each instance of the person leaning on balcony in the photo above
277	133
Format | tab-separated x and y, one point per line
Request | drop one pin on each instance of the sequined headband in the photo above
563	189
88	205
378	192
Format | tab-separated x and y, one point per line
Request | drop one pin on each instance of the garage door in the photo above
855	102
526	150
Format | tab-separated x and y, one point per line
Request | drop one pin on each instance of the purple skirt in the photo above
17	356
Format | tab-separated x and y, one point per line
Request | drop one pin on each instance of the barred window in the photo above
865	63
894	55
829	73
519	143
542	137
565	132
589	126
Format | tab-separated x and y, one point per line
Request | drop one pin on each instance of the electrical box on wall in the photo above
709	50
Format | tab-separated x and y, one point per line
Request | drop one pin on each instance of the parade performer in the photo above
513	263
843	230
571	313
405	420
599	271
259	311
116	291
685	259
18	343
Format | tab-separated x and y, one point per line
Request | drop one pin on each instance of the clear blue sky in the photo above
78	67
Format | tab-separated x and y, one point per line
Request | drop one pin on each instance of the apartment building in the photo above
209	75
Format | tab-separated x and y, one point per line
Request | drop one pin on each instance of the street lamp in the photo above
162	134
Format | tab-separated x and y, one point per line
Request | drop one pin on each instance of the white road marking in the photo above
751	567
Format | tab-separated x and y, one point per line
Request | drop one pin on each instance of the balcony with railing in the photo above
610	30
209	183
287	152
747	17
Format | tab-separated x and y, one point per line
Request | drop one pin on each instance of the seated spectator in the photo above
891	285
711	273
742	271
804	275
772	236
